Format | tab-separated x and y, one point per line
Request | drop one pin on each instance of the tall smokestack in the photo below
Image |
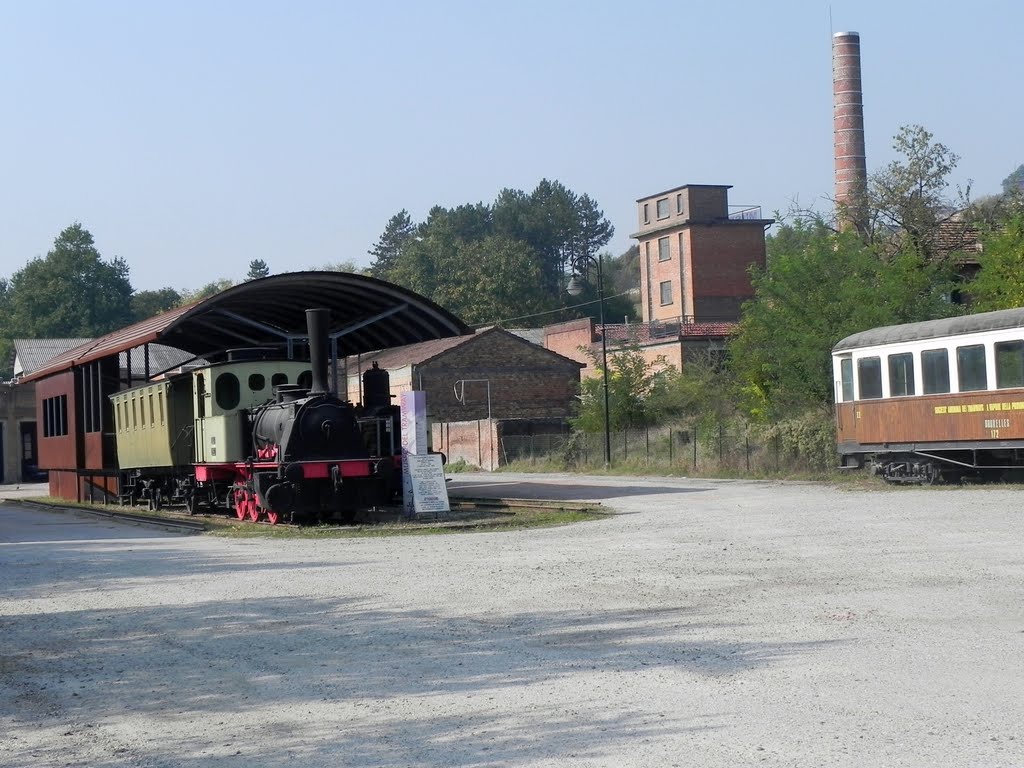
848	123
316	327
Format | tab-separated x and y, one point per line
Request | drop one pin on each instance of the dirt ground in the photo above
709	624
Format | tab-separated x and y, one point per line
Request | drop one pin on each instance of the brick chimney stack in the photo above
848	122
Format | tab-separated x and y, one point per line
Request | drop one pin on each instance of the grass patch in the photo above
462	519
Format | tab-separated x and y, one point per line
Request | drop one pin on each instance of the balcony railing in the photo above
746	212
677	327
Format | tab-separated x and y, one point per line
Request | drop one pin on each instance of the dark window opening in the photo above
901	375
869	378
935	371
970	368
227	391
1009	364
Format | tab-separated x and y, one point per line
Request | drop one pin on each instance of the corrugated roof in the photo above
934	329
368	314
30	354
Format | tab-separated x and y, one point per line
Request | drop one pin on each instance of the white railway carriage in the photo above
937	400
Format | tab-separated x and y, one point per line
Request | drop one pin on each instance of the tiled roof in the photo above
957	237
647	333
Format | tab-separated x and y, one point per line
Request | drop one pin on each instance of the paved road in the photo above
710	624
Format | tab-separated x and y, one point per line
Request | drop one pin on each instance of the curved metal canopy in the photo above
366	314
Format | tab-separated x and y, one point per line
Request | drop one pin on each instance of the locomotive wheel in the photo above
238	502
273	517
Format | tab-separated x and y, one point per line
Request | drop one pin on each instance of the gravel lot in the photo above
709	624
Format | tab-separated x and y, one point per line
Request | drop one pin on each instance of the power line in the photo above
549	312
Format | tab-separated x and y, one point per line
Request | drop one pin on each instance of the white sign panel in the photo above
413	407
428	488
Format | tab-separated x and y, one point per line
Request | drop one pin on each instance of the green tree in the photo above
821	288
491	280
146	304
441	258
386	252
346	265
635	391
210	289
70	292
1000	281
1014	183
556	223
908	196
257	268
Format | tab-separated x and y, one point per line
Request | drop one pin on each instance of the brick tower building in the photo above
695	255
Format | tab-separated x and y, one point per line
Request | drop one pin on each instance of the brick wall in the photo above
525	380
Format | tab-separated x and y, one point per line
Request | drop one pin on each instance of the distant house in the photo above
480	388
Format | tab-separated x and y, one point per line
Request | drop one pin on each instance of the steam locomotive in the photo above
262	436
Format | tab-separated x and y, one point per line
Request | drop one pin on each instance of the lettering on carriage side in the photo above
997	423
1017	405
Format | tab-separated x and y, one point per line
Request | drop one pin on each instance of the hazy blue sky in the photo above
191	137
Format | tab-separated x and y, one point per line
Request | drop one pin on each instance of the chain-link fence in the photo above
731	449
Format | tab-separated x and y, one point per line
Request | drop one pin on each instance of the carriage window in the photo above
846	372
160	401
869	377
970	368
305	380
935	371
257	382
1009	364
278	379
901	375
227	391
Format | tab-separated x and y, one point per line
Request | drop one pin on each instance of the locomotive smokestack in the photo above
848	124
316	325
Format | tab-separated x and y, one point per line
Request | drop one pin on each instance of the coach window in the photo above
935	371
1009	364
901	375
305	380
278	379
970	368
869	378
227	391
846	373
257	382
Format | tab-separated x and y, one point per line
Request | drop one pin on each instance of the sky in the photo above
192	137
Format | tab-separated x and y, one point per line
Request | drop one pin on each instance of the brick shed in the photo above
528	389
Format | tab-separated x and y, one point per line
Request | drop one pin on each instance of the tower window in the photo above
666	292
663	210
664	254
